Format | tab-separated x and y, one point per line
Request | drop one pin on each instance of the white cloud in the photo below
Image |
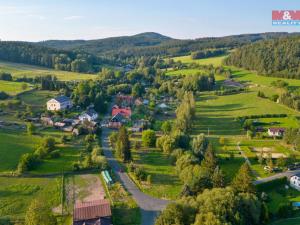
73	17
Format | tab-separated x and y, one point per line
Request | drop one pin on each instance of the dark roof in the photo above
101	221
276	129
92	210
91	112
62	99
117	118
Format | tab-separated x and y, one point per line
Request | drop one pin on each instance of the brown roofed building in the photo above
92	213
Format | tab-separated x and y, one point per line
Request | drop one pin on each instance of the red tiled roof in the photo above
126	112
92	210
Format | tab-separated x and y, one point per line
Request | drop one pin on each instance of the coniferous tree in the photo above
123	145
243	180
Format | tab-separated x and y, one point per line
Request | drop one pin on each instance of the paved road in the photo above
287	174
149	206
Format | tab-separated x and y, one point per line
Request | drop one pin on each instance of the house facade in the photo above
59	103
90	115
276	132
295	181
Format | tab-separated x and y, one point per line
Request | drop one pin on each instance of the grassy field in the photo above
218	113
165	182
216	61
17	193
21	70
14	147
12	88
37	98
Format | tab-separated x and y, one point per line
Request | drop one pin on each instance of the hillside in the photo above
279	58
109	44
150	44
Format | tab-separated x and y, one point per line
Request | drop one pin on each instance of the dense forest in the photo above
278	57
28	53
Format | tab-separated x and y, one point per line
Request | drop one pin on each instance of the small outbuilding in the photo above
92	213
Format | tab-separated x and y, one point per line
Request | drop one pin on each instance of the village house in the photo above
276	131
92	213
59	103
124	100
295	181
90	115
125	112
116	121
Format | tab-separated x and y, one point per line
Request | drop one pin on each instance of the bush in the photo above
148	138
5	76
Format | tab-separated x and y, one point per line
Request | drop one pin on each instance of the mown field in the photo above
219	113
21	70
216	61
13	88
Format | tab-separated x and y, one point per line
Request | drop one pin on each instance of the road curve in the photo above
149	206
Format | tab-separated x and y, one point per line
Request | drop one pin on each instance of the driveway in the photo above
149	206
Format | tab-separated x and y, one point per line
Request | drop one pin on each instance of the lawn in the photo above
17	193
183	72
165	182
13	88
21	70
215	61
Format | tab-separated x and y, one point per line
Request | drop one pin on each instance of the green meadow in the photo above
21	70
17	142
215	61
13	145
13	88
219	113
165	182
16	194
37	99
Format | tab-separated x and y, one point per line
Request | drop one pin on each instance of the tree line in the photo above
276	57
23	52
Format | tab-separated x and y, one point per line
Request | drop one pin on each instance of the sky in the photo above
37	20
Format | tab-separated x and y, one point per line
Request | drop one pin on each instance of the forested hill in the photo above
153	44
278	57
106	45
28	53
